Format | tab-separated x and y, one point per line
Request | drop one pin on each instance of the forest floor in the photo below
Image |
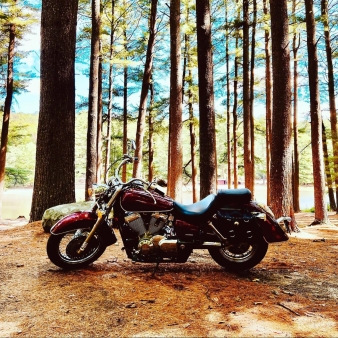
293	292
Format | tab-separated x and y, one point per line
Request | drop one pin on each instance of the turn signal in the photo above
90	192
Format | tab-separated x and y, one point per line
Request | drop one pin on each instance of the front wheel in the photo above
240	256
62	249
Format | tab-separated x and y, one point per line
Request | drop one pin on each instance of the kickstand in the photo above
155	269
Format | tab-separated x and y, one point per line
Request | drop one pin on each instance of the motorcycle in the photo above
156	229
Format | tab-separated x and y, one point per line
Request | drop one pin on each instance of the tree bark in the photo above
208	163
227	57
99	125
316	119
281	156
331	85
295	47
151	135
252	94
137	169
328	171
234	108
125	120
54	182
268	102
92	131
249	179
7	108
125	107
175	160
110	91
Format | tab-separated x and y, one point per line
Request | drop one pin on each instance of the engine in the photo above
153	234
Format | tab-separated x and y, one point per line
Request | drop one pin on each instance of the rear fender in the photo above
271	230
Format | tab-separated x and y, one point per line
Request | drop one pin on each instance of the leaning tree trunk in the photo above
316	119
137	169
91	167
7	109
175	158
208	163
54	182
281	156
268	104
331	84
249	179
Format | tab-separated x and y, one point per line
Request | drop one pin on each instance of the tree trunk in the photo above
234	112
281	156
227	56
249	179
192	139
125	120
175	160
137	169
54	182
99	126
331	84
295	47
125	109
151	135
268	103
208	163
91	167
328	171
110	90
316	119
252	94
7	109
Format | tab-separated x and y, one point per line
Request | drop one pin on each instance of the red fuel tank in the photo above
145	201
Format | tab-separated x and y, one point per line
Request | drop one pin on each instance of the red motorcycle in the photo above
156	229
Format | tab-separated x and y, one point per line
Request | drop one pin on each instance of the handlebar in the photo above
129	159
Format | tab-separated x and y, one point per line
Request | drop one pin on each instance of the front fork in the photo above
92	232
100	218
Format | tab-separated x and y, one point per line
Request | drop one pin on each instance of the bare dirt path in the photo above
293	292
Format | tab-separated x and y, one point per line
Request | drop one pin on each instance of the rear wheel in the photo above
240	256
62	249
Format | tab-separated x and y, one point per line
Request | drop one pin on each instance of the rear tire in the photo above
62	250
241	256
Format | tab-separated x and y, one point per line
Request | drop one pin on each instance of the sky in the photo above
28	102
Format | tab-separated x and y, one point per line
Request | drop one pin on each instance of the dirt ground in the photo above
293	292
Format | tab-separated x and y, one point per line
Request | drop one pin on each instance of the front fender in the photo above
84	220
77	220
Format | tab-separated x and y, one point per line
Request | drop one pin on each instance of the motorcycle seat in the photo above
196	209
233	196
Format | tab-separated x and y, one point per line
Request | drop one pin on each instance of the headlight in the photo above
98	190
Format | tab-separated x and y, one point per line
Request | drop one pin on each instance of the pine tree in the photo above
54	182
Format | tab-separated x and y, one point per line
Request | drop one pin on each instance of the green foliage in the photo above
17	176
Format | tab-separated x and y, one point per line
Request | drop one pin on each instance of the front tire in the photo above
62	250
240	256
